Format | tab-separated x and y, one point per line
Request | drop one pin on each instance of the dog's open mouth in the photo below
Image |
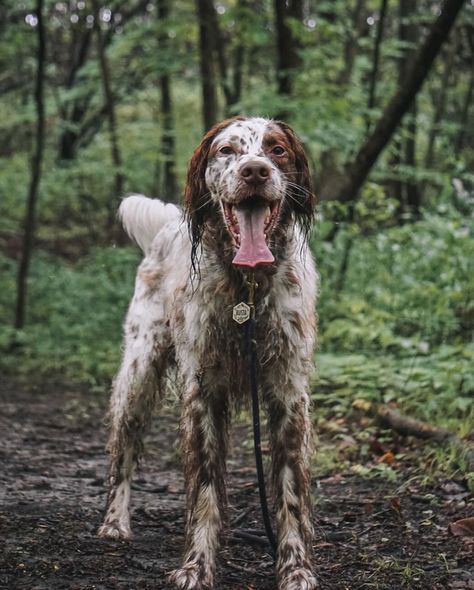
250	224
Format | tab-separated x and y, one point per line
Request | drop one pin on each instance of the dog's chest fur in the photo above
195	318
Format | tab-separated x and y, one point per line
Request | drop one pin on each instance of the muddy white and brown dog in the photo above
248	207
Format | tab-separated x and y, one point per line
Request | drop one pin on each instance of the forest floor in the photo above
378	532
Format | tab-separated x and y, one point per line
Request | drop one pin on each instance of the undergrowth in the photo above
401	329
75	315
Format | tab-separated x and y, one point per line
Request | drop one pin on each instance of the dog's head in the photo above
252	176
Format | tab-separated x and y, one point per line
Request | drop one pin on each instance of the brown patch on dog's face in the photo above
302	197
280	151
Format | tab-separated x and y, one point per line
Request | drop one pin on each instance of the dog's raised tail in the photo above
142	218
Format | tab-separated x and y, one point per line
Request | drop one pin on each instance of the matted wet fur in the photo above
248	176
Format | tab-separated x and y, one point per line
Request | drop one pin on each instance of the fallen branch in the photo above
407	426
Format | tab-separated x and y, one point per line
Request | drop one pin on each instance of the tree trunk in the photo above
329	170
239	56
375	60
220	55
412	200
206	14
169	186
288	58
406	35
30	215
459	143
347	188
231	81
243	9
112	120
439	104
71	136
73	116
410	203
359	24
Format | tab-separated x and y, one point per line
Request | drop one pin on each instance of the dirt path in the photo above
370	533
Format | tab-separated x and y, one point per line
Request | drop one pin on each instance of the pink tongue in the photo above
253	248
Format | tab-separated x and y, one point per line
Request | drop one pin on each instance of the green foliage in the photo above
402	327
438	387
408	289
75	316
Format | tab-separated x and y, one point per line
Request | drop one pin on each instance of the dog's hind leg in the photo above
204	440
131	405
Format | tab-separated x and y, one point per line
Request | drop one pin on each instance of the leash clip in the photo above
242	312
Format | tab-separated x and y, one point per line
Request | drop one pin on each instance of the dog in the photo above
248	208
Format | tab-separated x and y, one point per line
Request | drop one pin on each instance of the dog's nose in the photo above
255	172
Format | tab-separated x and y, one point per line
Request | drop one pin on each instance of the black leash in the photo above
247	316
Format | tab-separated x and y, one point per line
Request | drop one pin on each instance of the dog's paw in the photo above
191	577
115	530
298	579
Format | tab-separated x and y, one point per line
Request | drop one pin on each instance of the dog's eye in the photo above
278	150
226	150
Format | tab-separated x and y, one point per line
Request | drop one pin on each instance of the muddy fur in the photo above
181	316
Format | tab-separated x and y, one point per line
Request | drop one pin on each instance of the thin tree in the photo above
408	195
439	104
206	16
288	47
375	60
169	185
73	112
230	63
111	117
464	118
348	187
243	16
36	168
357	28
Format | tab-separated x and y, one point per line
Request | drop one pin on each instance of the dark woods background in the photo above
100	99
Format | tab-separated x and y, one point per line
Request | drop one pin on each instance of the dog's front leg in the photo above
290	437
204	439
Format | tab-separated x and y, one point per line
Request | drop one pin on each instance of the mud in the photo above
371	533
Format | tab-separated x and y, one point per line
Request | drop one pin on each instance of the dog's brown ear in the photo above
303	199
197	199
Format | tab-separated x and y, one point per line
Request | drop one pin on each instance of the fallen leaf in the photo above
338	478
332	426
462	528
368	508
362	404
387	457
395	504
